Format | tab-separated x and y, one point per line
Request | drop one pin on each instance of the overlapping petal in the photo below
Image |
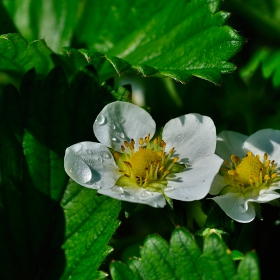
236	207
265	141
194	183
230	142
119	121
192	135
91	165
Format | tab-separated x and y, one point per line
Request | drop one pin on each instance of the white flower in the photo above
129	165
249	174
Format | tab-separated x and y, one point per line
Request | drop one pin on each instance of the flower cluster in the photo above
250	173
133	164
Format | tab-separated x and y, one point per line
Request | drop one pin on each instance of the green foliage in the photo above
183	259
174	47
48	228
17	56
90	223
150	43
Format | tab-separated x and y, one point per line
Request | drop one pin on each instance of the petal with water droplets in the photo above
124	121
91	164
135	195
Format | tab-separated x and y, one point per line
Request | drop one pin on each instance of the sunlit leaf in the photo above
192	43
17	56
52	20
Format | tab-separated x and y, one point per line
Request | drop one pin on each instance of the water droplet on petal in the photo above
180	136
97	187
100	160
114	139
132	197
117	189
89	152
122	196
105	154
145	194
80	172
100	119
121	134
168	189
121	120
241	208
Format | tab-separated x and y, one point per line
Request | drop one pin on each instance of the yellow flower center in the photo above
148	166
249	168
142	160
250	171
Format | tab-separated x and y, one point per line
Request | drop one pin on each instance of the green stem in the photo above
194	212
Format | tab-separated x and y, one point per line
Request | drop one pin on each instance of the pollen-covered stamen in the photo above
149	163
250	171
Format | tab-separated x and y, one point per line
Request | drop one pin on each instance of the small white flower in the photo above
129	165
250	172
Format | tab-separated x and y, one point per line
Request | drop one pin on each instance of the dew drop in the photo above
96	187
89	152
180	136
117	189
121	120
168	189
242	208
114	139
100	159
80	172
100	119
145	194
121	134
105	154
132	197
122	196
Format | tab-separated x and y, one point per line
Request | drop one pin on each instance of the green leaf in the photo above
215	262
248	269
178	46
52	20
182	259
236	255
17	56
90	223
47	227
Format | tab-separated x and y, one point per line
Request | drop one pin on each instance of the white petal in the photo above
265	141
192	135
91	165
266	195
217	185
119	121
236	207
135	195
194	183
230	142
